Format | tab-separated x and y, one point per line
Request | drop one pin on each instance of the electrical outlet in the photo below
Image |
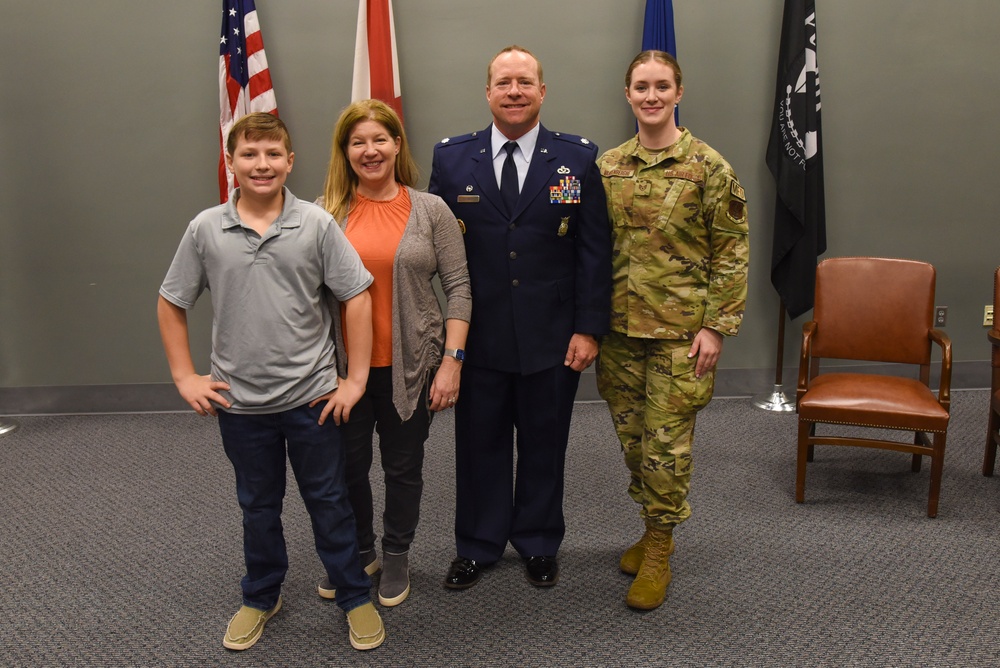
988	316
940	316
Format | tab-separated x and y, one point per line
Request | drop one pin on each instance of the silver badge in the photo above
468	189
563	170
445	140
584	141
544	150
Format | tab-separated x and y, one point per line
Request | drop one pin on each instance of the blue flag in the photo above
658	30
658	27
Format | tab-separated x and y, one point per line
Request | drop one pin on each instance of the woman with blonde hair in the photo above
405	238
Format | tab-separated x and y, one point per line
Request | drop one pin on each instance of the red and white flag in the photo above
376	67
244	79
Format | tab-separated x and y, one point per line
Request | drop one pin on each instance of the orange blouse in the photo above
375	228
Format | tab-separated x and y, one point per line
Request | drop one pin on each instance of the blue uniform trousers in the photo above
493	504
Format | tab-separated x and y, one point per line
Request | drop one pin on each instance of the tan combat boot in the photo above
632	558
650	585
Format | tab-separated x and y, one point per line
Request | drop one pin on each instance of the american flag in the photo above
244	80
376	67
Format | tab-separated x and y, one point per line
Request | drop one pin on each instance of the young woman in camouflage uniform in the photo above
680	259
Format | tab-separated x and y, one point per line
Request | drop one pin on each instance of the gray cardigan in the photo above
432	245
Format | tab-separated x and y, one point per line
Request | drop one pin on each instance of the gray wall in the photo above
109	143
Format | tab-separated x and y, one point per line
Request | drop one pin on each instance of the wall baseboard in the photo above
163	397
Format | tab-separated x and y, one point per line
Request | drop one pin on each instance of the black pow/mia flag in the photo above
795	158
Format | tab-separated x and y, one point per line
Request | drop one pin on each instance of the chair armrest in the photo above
940	338
805	359
994	336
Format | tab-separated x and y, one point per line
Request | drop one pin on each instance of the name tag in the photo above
465	199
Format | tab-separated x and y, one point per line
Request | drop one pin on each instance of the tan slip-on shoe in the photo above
247	625
367	631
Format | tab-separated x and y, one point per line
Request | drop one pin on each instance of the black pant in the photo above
493	503
401	445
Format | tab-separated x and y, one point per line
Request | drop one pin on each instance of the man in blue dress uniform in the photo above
534	216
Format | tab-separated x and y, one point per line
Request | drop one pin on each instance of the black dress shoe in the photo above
542	571
462	574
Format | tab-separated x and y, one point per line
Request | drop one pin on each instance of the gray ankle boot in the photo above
394	586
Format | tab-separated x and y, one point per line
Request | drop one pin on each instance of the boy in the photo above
266	256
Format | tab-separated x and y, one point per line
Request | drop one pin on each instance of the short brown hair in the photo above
653	54
258	125
508	49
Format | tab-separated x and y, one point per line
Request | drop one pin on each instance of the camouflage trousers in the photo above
653	396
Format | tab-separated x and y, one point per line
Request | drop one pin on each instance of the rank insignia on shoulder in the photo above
737	191
563	227
446	140
584	141
461	224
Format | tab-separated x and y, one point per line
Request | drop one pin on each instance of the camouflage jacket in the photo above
681	241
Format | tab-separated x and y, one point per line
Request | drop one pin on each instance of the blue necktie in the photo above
508	179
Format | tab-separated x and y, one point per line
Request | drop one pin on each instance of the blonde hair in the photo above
341	181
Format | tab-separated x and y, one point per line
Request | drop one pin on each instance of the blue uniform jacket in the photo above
544	273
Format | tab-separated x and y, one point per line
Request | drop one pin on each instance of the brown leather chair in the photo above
874	310
993	432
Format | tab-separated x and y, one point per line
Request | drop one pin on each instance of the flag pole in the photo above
7	427
775	400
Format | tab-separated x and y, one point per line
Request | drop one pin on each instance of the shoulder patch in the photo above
737	211
737	191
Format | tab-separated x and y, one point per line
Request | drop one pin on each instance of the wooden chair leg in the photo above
990	456
937	467
812	449
804	455
918	438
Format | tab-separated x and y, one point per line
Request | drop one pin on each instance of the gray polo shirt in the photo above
271	326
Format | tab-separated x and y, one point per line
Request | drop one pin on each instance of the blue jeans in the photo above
255	444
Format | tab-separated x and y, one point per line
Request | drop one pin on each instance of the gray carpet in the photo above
121	547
